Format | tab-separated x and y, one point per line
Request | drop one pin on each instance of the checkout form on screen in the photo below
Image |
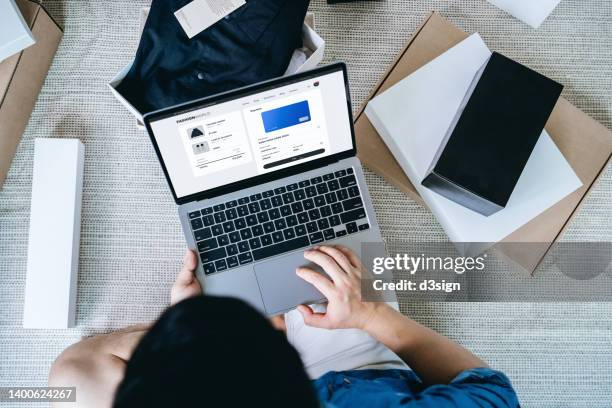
254	134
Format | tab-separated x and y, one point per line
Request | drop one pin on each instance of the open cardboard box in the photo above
310	38
586	144
21	78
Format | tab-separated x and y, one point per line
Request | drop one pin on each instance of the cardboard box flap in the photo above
32	10
7	68
586	144
588	159
29	10
21	78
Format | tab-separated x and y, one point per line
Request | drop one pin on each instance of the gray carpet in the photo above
557	355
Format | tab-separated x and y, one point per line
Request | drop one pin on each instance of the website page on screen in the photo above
255	134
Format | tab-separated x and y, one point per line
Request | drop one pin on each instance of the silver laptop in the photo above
262	173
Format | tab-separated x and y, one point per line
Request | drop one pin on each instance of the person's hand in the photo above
345	308
186	284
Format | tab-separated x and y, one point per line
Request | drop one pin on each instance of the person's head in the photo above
211	351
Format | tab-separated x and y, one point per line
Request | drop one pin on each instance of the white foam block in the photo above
55	225
15	35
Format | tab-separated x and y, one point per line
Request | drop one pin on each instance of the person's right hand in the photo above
345	309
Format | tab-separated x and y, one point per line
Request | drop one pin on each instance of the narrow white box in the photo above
55	226
15	35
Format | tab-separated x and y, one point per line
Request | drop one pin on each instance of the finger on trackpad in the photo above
281	288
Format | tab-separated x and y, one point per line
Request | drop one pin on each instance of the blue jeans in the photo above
480	387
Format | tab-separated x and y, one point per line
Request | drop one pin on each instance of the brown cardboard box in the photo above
586	144
21	78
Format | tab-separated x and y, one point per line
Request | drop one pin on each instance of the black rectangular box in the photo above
490	140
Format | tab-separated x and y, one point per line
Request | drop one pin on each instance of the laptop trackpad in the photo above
281	288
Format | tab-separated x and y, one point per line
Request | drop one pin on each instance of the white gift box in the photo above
308	57
15	35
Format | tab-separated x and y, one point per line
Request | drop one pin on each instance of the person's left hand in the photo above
186	284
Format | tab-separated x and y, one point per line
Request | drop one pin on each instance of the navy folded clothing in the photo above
252	44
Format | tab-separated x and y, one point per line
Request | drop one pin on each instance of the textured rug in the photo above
557	355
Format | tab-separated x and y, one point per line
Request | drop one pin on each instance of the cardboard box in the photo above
310	38
313	43
22	77
586	144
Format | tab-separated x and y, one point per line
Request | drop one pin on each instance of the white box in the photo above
310	38
55	225
531	12
15	35
315	44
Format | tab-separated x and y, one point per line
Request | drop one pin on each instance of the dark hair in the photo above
212	351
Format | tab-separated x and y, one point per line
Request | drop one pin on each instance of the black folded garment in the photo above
252	44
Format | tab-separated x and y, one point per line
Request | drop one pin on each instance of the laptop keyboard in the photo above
276	221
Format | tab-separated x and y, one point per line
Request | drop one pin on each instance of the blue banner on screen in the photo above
286	116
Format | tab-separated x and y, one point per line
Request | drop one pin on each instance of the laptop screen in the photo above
255	133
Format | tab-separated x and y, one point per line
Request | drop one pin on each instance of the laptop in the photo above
262	173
